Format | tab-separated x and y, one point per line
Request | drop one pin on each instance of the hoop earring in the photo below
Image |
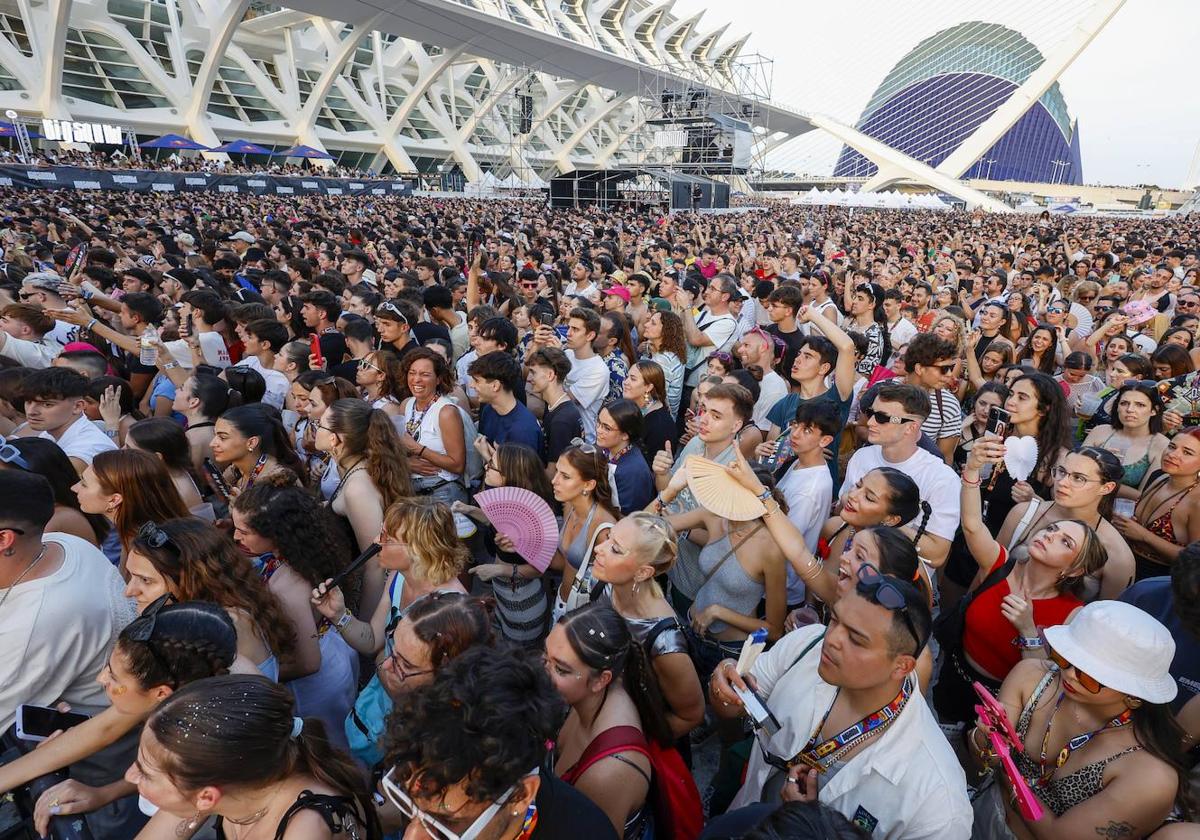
1133	702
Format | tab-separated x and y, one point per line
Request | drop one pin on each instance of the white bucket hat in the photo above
1124	648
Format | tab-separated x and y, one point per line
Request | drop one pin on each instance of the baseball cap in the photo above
241	236
619	291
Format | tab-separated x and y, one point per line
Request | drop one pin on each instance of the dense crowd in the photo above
359	517
171	161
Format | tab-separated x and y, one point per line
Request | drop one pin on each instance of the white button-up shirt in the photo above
905	784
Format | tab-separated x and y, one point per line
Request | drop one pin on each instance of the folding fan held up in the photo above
526	519
718	492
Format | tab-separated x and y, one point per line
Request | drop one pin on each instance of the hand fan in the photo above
1020	456
718	492
526	519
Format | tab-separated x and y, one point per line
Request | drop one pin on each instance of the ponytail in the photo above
926	512
239	731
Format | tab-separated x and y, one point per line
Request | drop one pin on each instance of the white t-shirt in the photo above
62	334
31	354
828	308
83	439
277	383
212	348
808	492
56	632
772	389
900	333
460	367
460	337
588	384
719	329
938	484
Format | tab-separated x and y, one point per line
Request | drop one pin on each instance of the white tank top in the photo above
428	431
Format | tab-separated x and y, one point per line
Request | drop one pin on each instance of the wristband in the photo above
1029	642
90	325
422	452
974	483
764	495
170	365
341	623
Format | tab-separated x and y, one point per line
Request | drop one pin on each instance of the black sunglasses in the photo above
880	589
883	417
153	536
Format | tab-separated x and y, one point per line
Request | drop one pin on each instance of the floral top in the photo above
618	369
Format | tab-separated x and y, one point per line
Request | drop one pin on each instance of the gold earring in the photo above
1133	702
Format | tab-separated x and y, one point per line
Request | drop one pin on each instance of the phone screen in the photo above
40	722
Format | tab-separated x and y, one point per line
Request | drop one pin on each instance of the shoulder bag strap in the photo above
732	548
1027	518
587	559
807	648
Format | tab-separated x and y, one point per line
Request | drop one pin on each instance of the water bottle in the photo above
149	353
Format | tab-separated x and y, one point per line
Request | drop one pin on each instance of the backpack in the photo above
473	471
673	797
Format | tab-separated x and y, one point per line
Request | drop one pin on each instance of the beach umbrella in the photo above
173	141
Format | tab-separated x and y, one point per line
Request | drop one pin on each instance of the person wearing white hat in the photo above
1102	751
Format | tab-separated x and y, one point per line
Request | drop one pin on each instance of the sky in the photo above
1133	90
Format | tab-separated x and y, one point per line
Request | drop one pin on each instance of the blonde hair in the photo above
960	327
427	527
657	545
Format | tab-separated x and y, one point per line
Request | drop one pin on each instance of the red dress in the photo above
987	634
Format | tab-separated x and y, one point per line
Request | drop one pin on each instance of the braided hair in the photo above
599	636
175	644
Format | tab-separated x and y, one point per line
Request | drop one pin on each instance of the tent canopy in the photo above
173	141
303	151
241	147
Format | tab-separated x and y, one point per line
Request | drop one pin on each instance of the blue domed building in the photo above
942	90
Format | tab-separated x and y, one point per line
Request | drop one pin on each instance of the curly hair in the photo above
485	721
427	526
186	642
674	339
305	533
441	369
201	563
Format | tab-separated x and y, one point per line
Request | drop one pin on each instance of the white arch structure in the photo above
434	82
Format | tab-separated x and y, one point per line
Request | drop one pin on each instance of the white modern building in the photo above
525	87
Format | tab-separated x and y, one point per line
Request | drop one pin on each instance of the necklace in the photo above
1073	744
412	425
21	576
821	756
250	820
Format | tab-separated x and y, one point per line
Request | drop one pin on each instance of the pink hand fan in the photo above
526	519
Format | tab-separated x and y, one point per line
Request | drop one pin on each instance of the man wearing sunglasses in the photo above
455	785
929	364
894	434
855	732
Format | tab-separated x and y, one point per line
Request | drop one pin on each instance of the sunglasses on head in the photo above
1089	683
9	454
155	537
388	306
880	589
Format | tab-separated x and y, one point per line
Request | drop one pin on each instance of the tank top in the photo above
424	428
577	550
729	585
988	635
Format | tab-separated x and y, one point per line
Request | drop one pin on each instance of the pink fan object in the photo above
526	519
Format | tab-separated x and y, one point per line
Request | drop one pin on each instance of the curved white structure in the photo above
413	85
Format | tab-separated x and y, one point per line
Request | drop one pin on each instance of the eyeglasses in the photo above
404	803
1078	479
882	417
1089	683
9	454
388	306
398	667
153	536
880	589
363	364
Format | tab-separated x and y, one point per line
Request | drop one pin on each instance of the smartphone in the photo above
37	723
187	324
314	343
546	319
998	422
783	450
218	480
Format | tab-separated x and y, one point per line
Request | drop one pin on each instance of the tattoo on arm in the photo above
1115	830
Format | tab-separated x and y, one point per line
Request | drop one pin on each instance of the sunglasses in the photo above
880	589
9	454
585	447
363	364
946	369
1089	683
153	536
388	306
436	830
883	417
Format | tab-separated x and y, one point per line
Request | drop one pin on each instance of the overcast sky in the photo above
1133	91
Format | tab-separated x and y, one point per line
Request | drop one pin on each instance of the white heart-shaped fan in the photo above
1020	457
